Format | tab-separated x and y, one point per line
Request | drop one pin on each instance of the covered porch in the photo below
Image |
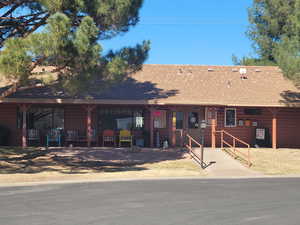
90	125
150	125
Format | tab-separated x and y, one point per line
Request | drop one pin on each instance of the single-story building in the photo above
162	102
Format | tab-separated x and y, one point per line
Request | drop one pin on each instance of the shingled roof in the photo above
184	85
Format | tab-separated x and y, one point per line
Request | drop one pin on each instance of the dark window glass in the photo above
42	118
193	120
179	120
120	119
230	117
252	111
160	119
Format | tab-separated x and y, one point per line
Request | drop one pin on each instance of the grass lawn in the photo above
276	162
34	165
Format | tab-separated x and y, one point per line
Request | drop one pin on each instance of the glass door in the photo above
178	128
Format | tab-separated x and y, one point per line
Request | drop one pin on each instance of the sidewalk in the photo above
223	165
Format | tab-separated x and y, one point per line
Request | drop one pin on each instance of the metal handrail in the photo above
193	154
233	146
196	142
241	141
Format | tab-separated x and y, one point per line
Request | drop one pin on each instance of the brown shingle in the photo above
197	85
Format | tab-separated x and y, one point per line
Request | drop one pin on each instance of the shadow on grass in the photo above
79	161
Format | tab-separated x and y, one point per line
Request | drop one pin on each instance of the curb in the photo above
25	184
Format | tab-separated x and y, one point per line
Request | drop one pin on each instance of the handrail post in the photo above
222	139
249	163
190	145
234	145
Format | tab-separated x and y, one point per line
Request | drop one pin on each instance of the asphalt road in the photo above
160	202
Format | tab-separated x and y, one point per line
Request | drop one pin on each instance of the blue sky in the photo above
205	32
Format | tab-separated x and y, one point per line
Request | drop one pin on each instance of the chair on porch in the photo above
33	136
108	136
83	138
71	136
54	135
125	137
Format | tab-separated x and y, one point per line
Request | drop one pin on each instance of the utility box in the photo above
262	137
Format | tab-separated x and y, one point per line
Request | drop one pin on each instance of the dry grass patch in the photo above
275	162
83	164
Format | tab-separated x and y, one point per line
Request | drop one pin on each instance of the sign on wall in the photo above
260	134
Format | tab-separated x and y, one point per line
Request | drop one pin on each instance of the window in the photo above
120	119
230	117
178	120
43	118
160	119
252	111
210	114
193	120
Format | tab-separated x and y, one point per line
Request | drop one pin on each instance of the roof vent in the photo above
243	73
180	71
210	69
228	84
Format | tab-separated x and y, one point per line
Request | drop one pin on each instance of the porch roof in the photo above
181	85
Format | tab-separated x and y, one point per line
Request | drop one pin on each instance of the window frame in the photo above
19	115
225	117
164	119
175	120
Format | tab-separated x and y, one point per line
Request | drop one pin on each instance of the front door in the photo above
178	128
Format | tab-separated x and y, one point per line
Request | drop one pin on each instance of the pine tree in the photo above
275	32
66	34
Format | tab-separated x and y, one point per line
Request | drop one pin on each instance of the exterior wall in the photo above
245	133
288	128
288	124
8	118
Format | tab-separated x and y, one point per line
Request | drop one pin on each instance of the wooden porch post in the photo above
172	129
151	127
89	110
274	127
274	131
213	133
24	109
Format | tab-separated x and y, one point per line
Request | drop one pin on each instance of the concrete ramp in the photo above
220	164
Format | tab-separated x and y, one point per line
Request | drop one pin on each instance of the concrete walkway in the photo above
223	165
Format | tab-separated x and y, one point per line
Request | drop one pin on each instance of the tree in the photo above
66	34
270	19
275	32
